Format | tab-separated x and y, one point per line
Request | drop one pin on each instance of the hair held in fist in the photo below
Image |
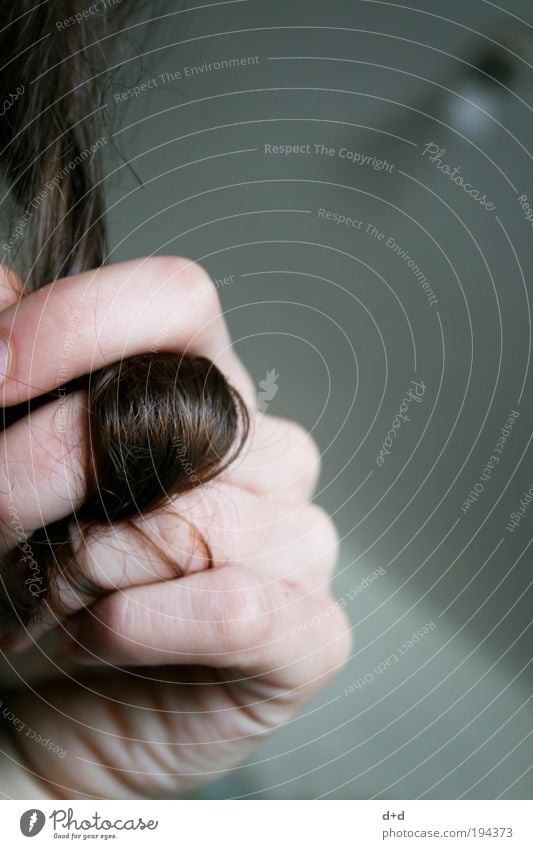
158	424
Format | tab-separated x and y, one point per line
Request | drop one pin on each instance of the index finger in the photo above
90	320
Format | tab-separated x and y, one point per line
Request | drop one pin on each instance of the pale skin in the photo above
164	683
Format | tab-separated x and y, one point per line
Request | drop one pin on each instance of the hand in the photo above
171	680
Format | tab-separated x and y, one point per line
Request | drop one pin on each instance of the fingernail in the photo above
4	358
16	643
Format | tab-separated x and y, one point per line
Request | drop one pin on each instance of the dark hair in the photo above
158	424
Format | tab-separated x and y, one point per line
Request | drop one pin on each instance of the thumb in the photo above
11	290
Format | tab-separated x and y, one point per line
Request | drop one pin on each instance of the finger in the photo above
219	619
279	458
222	529
216	526
79	324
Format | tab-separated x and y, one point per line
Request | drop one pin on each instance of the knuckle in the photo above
197	285
324	536
303	446
166	266
339	640
243	615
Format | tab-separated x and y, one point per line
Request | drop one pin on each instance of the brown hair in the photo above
158	424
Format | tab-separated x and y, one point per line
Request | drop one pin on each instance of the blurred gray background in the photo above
346	324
